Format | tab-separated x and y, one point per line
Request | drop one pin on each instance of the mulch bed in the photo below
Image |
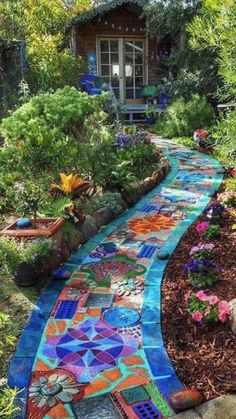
203	357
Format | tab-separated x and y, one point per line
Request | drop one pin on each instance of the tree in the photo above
215	27
189	71
42	24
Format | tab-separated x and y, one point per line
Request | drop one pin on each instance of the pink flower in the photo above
207	311
187	296
223	310
197	316
213	299
202	296
202	227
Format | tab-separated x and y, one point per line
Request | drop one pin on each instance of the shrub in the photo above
35	253
46	131
108	199
183	118
206	309
224	136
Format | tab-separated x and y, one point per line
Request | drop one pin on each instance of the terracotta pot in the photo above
56	224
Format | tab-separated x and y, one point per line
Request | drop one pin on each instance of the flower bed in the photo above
203	356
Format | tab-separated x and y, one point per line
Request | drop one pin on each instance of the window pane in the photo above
137	93
129	94
138	59
129	46
128	70
115	82
114	58
129	81
104	58
105	70
115	70
139	70
104	45
114	46
138	81
138	46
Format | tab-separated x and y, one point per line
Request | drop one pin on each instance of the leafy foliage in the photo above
42	25
183	118
35	253
46	131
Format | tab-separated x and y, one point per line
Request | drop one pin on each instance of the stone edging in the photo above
104	216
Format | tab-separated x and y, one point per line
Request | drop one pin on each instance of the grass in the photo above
17	303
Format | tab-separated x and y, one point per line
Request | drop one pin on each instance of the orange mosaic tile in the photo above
133	360
112	375
97	385
94	312
132	381
151	223
41	366
58	411
56	327
139	371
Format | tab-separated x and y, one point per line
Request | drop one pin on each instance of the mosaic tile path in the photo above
93	346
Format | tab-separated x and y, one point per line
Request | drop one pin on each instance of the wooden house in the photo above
113	41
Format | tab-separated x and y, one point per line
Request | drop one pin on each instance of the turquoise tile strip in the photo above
180	199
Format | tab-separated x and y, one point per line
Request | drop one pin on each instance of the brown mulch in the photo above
203	357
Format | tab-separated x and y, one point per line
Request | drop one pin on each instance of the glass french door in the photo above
121	63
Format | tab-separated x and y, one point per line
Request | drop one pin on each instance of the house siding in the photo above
87	34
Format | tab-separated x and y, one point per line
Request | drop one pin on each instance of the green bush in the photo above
186	141
224	136
183	118
44	133
35	253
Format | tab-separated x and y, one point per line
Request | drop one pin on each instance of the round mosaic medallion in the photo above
121	316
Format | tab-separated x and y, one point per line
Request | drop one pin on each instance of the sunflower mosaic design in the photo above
151	224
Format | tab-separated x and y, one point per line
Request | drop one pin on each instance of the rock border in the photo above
93	224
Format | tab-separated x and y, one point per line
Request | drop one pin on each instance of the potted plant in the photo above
150	113
25	260
29	198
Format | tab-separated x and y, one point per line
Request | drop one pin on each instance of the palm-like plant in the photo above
72	186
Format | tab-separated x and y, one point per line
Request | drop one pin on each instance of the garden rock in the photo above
221	407
104	216
74	240
232	317
189	414
185	399
88	229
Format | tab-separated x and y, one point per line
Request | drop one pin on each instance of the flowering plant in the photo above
206	230
202	251
202	227
211	232
202	272
206	309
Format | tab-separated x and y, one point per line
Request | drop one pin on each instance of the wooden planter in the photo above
49	231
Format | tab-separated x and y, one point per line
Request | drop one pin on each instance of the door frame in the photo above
121	39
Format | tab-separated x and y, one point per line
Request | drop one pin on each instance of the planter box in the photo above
54	225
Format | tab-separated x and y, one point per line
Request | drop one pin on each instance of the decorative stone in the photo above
163	256
88	229
23	222
232	317
219	408
61	273
104	216
221	171
185	399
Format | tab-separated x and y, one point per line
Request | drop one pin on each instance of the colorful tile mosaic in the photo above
93	346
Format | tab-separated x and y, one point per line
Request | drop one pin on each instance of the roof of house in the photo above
104	8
